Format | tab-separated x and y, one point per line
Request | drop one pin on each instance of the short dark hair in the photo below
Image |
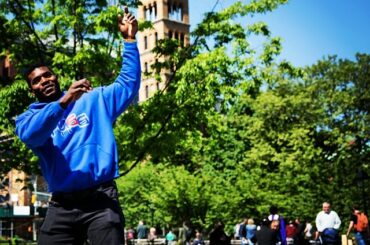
355	207
27	71
265	222
273	209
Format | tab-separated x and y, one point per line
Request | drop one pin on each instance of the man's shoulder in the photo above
27	112
320	213
264	229
319	216
32	108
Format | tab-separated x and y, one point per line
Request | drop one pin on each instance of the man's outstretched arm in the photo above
122	92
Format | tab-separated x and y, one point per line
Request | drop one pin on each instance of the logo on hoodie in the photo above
72	121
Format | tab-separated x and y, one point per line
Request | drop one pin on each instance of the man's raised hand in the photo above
127	24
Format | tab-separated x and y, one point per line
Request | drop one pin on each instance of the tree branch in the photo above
28	25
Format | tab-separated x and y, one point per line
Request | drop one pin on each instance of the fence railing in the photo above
162	241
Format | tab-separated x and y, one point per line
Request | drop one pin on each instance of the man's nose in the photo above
44	81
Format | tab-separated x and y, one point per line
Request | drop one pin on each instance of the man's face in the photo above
44	84
326	208
275	225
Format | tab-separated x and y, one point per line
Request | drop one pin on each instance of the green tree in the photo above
340	87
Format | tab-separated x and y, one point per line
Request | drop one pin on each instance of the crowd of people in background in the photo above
272	230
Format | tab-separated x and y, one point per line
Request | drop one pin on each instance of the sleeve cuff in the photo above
129	40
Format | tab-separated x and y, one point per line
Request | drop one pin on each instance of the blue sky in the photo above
310	29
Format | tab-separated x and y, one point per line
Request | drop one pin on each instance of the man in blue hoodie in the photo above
72	134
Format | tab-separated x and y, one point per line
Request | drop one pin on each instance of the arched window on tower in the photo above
174	10
154	11
180	13
176	36
169	8
147	13
145	42
182	39
169	34
146	91
177	13
146	67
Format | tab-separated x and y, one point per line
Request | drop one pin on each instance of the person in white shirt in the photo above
327	224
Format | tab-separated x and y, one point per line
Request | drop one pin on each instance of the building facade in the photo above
6	67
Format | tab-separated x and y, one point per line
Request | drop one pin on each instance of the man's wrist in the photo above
64	101
129	38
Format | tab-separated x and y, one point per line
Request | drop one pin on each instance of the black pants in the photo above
93	214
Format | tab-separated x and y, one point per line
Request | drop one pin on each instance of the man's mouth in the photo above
49	89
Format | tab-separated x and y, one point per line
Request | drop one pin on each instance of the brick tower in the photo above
170	19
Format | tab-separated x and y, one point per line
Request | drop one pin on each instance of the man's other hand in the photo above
75	91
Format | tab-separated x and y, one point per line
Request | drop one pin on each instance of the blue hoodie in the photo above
76	145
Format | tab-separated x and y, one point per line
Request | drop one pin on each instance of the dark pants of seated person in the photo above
330	236
93	214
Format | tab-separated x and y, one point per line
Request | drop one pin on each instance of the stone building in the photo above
170	19
6	68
